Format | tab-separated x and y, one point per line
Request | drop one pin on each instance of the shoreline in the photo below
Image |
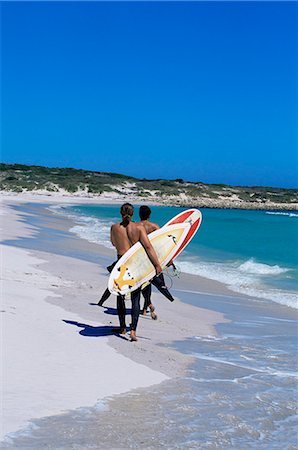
55	283
106	198
205	284
191	282
208	281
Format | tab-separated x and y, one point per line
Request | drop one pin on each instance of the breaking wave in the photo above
92	229
245	278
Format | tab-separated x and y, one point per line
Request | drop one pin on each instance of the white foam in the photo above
25	431
275	295
253	267
210	338
265	370
288	214
245	278
92	229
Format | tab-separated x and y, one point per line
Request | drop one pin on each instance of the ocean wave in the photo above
239	280
279	213
278	296
92	229
266	370
251	266
96	234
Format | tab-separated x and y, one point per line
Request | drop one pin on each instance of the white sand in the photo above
47	366
50	366
108	198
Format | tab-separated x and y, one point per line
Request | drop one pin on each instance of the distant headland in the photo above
79	183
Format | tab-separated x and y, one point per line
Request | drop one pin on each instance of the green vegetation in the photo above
19	177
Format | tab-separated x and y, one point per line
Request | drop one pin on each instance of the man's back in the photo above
124	236
149	226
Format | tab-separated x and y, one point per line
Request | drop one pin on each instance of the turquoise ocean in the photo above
251	252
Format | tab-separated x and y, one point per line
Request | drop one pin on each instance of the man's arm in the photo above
149	250
111	236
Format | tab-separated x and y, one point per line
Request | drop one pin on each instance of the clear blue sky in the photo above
203	91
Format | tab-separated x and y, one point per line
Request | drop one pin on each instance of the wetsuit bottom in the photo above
159	282
135	309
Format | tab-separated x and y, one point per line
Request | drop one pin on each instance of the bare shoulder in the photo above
155	226
141	229
133	227
115	227
136	226
151	226
140	224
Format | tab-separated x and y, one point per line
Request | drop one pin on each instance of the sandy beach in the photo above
58	349
187	105
217	369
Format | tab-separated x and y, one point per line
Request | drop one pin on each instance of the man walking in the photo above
123	236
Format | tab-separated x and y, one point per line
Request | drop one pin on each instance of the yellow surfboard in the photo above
135	268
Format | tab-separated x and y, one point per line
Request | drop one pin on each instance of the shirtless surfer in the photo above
123	236
158	282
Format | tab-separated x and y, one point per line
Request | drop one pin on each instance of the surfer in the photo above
158	282
145	213
123	236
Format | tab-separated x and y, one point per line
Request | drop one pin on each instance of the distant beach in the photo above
217	366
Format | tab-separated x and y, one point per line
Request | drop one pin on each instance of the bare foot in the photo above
133	337
153	314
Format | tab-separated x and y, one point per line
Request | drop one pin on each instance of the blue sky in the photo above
204	91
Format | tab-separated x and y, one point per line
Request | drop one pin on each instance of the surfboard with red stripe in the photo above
194	218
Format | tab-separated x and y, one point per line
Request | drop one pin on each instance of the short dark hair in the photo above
144	212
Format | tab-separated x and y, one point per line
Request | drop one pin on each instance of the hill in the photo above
85	183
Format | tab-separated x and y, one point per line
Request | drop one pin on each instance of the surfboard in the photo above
134	268
194	218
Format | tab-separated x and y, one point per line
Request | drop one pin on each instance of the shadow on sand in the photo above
88	330
105	330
